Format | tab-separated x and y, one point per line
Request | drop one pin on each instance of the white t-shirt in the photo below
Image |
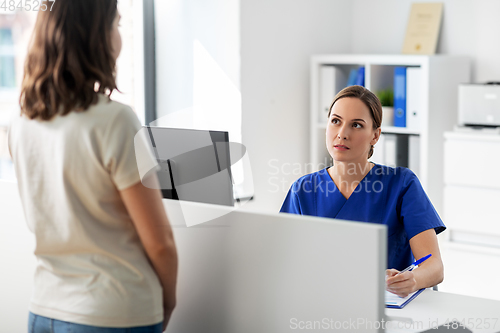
92	268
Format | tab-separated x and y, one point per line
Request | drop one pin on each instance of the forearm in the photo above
431	271
164	261
148	214
429	274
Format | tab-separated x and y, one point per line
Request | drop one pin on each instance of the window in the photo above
15	31
7	59
130	64
7	82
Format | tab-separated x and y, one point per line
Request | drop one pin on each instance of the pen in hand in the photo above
416	263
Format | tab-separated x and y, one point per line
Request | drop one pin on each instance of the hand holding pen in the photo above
402	283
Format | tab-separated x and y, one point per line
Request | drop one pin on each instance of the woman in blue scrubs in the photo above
359	190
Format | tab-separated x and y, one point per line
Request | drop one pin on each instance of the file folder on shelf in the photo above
331	81
360	79
400	96
413	97
396	150
414	154
353	74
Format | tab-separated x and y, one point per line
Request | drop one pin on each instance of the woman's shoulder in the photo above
395	177
392	172
108	114
107	107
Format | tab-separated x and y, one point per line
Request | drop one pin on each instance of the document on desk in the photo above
395	302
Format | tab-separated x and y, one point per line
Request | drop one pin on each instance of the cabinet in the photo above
437	94
472	186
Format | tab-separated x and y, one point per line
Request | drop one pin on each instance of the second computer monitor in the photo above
195	164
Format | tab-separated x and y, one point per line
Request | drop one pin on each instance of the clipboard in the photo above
395	302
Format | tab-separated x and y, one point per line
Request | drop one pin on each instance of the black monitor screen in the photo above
195	164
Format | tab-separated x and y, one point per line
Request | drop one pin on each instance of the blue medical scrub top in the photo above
390	196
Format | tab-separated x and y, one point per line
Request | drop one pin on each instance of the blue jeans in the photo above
39	324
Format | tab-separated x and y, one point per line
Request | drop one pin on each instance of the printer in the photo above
479	104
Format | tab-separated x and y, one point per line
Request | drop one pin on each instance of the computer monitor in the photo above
255	272
195	165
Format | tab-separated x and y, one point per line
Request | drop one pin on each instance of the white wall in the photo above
469	27
277	39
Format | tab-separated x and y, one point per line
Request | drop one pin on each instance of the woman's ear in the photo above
376	136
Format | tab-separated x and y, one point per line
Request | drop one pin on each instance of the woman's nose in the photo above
343	133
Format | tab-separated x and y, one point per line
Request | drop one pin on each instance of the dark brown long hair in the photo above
367	97
70	58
